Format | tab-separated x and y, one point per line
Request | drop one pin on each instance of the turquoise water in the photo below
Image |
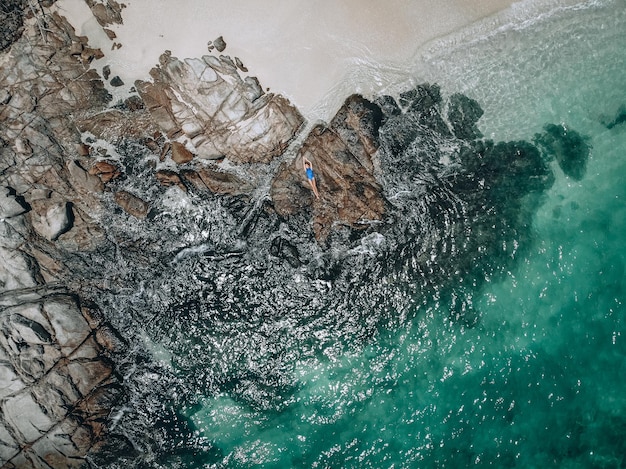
538	382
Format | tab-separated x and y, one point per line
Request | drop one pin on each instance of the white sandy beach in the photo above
311	52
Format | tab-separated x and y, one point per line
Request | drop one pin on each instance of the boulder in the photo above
341	155
105	170
86	180
219	44
132	204
216	111
16	269
51	217
169	178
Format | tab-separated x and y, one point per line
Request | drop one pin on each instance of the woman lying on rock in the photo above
308	168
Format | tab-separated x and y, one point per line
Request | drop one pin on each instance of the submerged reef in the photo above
569	148
181	220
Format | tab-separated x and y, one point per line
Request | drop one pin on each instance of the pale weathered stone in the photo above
8	445
16	270
84	180
86	234
41	407
9	205
26	417
221	114
70	327
48	196
10	382
51	217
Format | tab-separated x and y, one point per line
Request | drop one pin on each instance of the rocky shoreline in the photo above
194	186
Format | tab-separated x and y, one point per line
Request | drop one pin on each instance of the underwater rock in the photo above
570	149
424	103
463	113
388	106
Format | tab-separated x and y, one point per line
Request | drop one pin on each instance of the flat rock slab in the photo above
51	371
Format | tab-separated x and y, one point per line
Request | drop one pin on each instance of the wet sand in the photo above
313	53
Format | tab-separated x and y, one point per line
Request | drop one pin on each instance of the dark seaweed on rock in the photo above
570	149
463	113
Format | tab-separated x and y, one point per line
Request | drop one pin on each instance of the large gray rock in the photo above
51	371
9	205
206	103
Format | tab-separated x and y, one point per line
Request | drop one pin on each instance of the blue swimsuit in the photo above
309	174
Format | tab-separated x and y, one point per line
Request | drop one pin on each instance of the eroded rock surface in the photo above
206	103
56	386
11	19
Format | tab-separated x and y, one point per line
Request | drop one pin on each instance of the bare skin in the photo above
307	165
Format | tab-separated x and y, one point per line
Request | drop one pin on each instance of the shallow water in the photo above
537	382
